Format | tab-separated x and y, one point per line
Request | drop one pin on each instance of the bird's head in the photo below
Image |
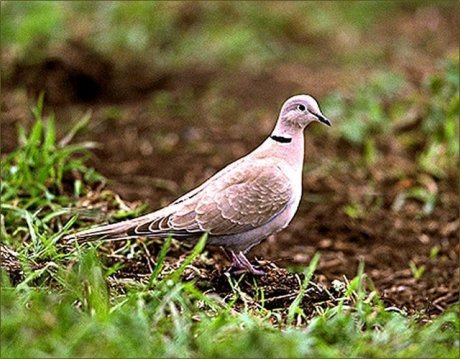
300	111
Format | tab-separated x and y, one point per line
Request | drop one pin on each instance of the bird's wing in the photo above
158	219
247	197
213	178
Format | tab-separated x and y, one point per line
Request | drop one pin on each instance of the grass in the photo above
67	307
382	110
383	102
171	318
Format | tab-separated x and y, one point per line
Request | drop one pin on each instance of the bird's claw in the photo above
240	265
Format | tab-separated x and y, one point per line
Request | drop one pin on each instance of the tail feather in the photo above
115	231
110	231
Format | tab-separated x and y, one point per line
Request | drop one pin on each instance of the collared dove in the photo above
242	204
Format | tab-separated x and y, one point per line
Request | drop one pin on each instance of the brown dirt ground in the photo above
154	155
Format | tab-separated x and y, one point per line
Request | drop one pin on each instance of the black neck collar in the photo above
281	139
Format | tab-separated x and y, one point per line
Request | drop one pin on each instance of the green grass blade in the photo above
160	261
294	307
195	253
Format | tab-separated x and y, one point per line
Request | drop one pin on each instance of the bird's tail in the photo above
115	231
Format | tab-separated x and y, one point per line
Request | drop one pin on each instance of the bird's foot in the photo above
254	271
240	264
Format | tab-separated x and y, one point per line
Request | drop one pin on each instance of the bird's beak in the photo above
323	119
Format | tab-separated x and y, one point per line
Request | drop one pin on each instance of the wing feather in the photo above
247	197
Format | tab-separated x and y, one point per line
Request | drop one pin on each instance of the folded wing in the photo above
246	198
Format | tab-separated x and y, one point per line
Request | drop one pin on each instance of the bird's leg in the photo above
248	266
236	262
240	264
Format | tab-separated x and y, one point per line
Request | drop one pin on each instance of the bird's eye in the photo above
301	107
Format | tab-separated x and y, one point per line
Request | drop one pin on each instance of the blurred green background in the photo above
242	34
170	34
